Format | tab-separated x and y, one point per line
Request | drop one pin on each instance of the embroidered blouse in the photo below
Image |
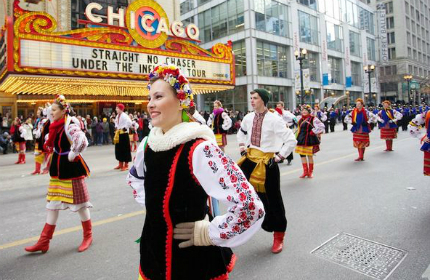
388	118
419	127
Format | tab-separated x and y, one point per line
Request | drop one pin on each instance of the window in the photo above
408	23
201	2
311	63
391	53
390	22
239	51
272	17
389	7
354	43
391	38
407	8
310	3
408	38
366	20
272	60
186	6
335	70
356	73
334	37
221	20
278	94
308	26
371	51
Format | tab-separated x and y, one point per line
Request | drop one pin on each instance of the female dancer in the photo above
422	120
18	133
360	119
221	123
67	187
387	121
177	167
309	128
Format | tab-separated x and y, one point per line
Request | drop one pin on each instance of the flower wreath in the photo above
62	100
174	76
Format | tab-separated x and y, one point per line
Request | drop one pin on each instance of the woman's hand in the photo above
194	234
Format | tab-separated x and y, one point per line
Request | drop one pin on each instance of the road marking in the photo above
339	158
426	274
73	229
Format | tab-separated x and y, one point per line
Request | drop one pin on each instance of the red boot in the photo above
362	153
278	242
390	145
88	236
305	170
37	170
45	237
19	159
48	164
311	170
22	159
125	166
120	166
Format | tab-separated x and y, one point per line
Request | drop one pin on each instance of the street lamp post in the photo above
347	99
300	56
369	69
408	79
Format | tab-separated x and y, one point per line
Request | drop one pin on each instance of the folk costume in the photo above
419	128
173	175
387	122
122	139
67	188
289	119
360	120
134	137
220	123
40	132
18	133
308	141
264	134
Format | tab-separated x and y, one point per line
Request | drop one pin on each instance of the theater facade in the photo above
103	64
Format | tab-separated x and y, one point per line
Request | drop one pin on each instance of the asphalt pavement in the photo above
383	199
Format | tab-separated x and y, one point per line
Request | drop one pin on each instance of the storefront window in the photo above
311	63
335	70
272	17
232	100
355	43
272	60
239	51
308	26
278	94
221	20
334	37
356	73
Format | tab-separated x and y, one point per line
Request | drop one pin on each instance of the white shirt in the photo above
123	121
199	117
288	117
275	136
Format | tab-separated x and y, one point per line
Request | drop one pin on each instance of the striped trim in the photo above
427	163
304	150
388	133
60	190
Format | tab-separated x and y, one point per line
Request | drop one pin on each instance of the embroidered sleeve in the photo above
318	126
348	118
415	126
227	121
79	140
242	133
210	120
324	117
22	131
397	115
136	177
287	137
222	179
372	117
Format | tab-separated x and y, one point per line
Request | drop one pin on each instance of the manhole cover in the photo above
364	256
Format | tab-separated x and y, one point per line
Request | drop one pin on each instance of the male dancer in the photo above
122	139
263	134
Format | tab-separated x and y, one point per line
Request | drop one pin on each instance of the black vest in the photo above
218	122
187	203
304	138
61	167
17	135
45	130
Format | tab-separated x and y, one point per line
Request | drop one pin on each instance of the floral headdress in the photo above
174	76
62	100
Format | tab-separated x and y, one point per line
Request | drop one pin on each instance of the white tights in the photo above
52	216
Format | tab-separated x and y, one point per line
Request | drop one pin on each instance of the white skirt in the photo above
59	205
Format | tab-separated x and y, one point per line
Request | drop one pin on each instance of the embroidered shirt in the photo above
274	135
256	128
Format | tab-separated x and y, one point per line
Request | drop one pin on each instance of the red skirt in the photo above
427	163
388	133
361	140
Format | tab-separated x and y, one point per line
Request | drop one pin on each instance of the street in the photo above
384	199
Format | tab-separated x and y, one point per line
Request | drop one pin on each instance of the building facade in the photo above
408	38
339	36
